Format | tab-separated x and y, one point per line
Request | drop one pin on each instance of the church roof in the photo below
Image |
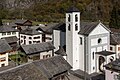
105	53
61	26
72	9
87	27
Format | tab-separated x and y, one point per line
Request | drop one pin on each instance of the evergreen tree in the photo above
115	17
0	21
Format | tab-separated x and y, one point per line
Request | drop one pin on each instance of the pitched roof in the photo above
53	66
86	28
30	31
20	21
61	26
105	53
4	46
11	39
6	28
61	52
27	71
48	28
37	48
72	9
114	39
37	70
113	66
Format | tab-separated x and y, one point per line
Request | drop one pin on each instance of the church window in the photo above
99	40
93	54
69	17
81	40
69	27
76	18
76	27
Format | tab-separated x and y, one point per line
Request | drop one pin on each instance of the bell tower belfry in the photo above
72	37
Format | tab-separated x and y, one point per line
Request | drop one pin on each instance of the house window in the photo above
2	59
118	48
111	48
30	42
76	18
69	27
21	41
46	56
2	65
13	33
76	27
81	40
24	37
93	54
9	33
30	37
38	37
24	41
99	40
69	17
3	34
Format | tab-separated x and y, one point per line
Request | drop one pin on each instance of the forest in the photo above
54	10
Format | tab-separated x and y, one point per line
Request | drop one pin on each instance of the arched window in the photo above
76	18
69	27
69	17
99	40
76	27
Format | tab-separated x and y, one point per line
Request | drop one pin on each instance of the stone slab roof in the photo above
37	70
11	39
4	46
37	48
30	31
7	28
114	66
114	39
105	53
72	9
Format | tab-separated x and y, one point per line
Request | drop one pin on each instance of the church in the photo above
87	44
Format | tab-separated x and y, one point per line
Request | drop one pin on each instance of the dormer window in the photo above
76	27
69	27
76	18
69	17
99	40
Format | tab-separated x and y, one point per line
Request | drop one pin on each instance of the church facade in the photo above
83	42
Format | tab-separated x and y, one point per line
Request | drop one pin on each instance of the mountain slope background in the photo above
54	10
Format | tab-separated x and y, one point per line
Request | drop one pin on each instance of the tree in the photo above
115	17
0	21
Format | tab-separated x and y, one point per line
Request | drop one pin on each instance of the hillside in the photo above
54	10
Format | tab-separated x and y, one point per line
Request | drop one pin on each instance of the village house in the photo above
38	51
10	34
5	49
112	71
22	24
115	41
30	36
47	31
55	68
